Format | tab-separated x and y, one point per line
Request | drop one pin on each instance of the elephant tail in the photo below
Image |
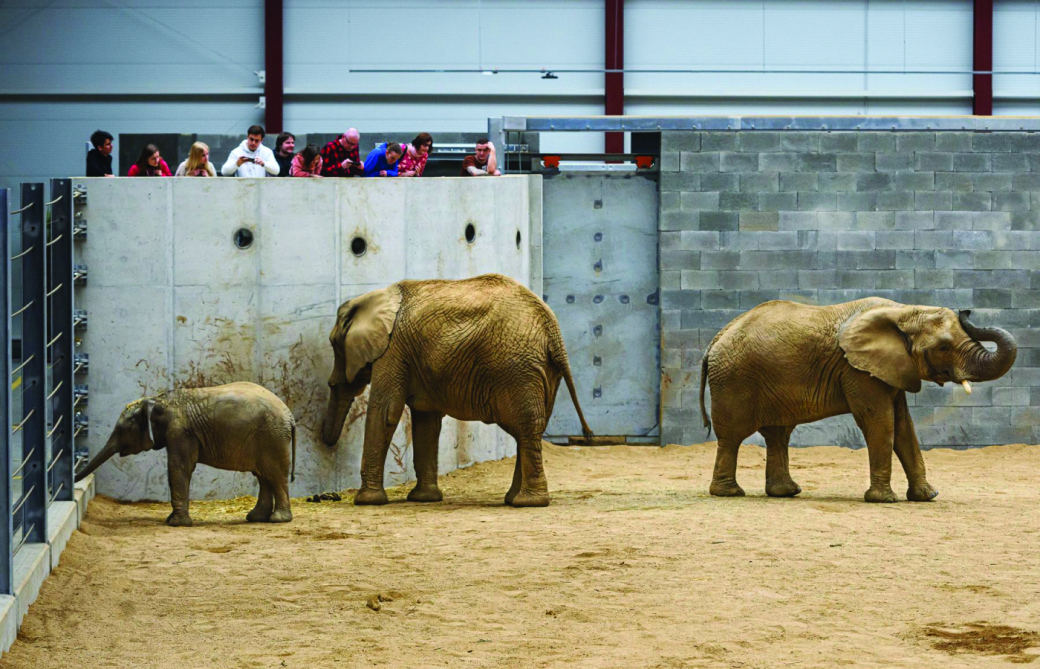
704	383
558	355
292	427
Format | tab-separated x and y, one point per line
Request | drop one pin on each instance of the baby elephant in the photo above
239	427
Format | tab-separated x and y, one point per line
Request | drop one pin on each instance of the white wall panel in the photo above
1016	45
806	35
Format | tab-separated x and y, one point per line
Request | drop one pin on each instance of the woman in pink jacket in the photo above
306	163
150	164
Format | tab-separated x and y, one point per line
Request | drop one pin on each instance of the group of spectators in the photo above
339	158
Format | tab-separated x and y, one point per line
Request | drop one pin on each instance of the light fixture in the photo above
549	75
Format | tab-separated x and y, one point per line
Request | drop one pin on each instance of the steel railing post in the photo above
6	552
34	358
60	339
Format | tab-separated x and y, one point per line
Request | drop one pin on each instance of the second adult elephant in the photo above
482	349
783	364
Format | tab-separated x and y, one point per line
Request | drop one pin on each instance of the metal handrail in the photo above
25	536
19	426
78	430
22	366
76	402
54	201
56	389
23	309
56	338
24	498
55	428
60	486
55	460
56	289
23	253
25	461
55	240
18	211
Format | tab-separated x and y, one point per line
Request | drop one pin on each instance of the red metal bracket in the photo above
644	162
551	162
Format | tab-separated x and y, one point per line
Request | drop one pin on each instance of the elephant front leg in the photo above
180	463
517	478
426	433
778	474
534	487
878	426
379	430
908	449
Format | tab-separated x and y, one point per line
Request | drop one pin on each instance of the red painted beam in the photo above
274	83
614	82
982	58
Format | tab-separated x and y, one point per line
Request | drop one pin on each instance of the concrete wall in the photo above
172	301
941	218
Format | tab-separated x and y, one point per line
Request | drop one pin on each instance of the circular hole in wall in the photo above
243	238
358	246
471	233
517	239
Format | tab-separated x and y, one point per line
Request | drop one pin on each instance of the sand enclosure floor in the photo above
633	565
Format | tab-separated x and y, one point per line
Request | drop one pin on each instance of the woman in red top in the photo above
413	162
150	164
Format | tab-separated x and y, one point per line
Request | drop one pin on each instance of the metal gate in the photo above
600	278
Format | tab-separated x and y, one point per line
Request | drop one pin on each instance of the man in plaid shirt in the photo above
341	158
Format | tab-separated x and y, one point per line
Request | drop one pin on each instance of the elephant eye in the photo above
944	348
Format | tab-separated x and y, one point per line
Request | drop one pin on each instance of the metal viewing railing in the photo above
36	395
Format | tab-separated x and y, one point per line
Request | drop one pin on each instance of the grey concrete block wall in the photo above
946	218
172	301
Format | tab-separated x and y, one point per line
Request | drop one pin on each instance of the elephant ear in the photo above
874	343
365	324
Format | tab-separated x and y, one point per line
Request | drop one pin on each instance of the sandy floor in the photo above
633	565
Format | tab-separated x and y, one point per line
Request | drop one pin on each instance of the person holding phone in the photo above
341	157
251	158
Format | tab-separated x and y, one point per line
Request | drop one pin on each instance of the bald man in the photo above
341	157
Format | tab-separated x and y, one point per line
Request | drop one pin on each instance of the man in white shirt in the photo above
251	158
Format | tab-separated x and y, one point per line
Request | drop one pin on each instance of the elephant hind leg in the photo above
724	478
534	488
261	513
517	477
778	474
282	511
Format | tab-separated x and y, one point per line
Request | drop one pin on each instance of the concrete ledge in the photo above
34	562
62	521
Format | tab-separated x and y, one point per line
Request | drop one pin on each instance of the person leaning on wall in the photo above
284	151
382	160
413	161
306	163
341	157
99	159
483	163
251	158
197	163
150	164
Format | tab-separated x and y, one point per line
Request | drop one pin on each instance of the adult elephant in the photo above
783	364
484	349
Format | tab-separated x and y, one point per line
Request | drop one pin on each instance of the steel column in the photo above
982	58
614	82
6	553
274	85
60	339
33	422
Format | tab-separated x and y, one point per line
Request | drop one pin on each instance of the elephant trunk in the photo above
982	364
110	449
335	415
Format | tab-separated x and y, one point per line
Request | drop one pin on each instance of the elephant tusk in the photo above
967	386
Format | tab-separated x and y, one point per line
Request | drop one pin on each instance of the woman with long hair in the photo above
413	162
307	163
197	164
149	164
